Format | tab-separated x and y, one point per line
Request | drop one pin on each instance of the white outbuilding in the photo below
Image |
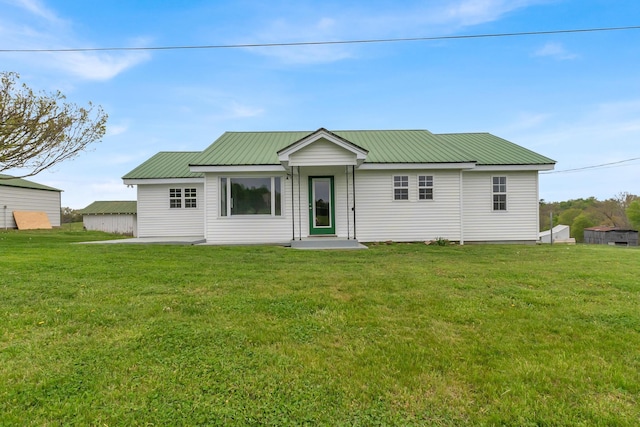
19	195
117	217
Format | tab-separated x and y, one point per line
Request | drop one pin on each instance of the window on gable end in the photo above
425	187
401	187
499	190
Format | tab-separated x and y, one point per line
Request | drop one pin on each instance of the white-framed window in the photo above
401	187
499	190
251	196
425	187
183	198
175	198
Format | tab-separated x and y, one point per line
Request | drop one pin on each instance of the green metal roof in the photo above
110	207
384	146
489	149
10	181
166	164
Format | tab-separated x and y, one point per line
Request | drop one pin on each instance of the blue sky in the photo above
572	97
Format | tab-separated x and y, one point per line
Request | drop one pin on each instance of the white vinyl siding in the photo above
157	219
518	223
29	200
381	218
111	223
322	153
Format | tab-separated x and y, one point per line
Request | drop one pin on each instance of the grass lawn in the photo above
403	334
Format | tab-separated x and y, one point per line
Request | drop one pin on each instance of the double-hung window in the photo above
251	196
499	193
182	198
401	187
425	187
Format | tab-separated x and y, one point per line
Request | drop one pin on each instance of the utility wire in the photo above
592	167
337	42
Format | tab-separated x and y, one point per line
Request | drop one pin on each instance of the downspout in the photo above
5	217
353	183
293	210
461	189
346	173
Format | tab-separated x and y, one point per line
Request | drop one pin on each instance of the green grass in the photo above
403	334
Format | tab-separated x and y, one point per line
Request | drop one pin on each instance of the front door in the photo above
321	209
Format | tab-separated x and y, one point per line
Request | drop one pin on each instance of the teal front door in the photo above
321	205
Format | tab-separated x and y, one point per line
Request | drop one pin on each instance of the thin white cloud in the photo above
97	66
473	12
113	130
36	7
420	19
242	111
32	25
556	51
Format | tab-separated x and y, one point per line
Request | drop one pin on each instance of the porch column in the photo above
293	209
353	183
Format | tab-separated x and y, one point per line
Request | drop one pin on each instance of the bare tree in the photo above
39	130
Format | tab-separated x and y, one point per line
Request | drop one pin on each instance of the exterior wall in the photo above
156	219
322	152
381	218
116	224
611	237
28	199
518	223
245	229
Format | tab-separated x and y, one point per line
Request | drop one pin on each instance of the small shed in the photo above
614	236
117	217
26	197
560	234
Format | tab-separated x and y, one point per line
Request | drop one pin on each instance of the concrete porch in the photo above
327	242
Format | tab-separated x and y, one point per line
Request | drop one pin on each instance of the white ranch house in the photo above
388	185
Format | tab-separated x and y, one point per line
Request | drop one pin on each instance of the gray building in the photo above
611	236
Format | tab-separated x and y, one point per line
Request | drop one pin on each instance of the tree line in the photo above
622	210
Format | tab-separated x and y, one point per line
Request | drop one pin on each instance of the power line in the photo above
317	43
592	167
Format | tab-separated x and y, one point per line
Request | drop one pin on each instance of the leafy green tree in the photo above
579	224
567	217
633	214
39	130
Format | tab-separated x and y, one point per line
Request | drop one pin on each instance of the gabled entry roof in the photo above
359	153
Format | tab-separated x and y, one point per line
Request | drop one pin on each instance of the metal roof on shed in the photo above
112	207
9	181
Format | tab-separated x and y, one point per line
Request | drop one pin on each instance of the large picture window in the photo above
251	196
499	193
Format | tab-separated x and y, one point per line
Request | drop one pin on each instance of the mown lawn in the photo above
403	334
